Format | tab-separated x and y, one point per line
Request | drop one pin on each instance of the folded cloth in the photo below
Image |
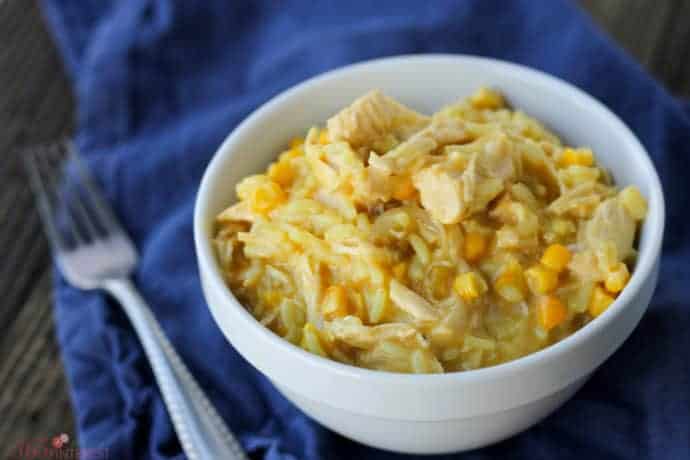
160	83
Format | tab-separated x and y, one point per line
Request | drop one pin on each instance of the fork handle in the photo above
202	433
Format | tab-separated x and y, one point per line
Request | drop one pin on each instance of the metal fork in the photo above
93	252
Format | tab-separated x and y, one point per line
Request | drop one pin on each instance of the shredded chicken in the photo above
499	159
351	331
441	194
611	222
451	196
372	117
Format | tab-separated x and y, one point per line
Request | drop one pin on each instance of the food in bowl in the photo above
396	241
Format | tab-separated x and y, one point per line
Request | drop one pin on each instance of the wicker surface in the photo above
36	105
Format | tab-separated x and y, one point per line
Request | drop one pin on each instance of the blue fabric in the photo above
160	83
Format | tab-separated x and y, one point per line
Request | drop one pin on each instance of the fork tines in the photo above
70	205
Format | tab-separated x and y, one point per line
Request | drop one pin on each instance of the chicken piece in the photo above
351	331
440	132
498	160
496	157
372	117
407	158
611	222
447	131
441	194
411	302
400	158
449	197
536	164
372	185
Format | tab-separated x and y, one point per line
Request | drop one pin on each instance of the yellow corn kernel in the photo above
633	202
510	284
334	303
474	246
550	312
556	257
281	172
599	302
311	340
400	270
296	142
323	137
581	157
617	278
470	285
266	197
486	98
261	193
541	280
404	190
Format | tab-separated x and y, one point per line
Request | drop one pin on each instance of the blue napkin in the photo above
160	83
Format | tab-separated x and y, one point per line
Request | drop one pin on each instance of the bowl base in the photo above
433	437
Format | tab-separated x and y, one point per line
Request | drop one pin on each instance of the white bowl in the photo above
429	413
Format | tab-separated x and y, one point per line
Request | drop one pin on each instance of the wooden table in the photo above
36	105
